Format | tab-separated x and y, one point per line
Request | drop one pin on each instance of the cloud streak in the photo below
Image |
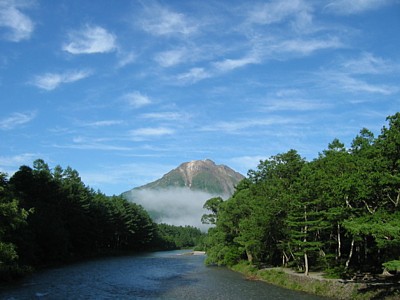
50	81
279	11
151	132
16	119
345	7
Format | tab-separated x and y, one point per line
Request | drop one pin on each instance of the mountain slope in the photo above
178	197
200	175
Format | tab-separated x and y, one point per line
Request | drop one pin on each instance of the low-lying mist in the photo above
175	206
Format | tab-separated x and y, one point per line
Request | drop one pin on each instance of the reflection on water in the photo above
159	275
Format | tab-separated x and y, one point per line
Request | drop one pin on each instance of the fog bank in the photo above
175	206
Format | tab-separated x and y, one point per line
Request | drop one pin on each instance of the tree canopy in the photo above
50	216
338	212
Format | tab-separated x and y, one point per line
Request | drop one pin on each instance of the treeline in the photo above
338	213
50	216
179	237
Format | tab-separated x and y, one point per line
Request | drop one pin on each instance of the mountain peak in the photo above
203	175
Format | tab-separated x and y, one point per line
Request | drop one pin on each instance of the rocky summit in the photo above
199	175
178	197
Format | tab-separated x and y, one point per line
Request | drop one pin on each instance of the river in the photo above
158	275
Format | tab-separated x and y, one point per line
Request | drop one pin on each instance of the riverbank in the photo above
316	284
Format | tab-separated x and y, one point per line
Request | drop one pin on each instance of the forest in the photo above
50	217
338	213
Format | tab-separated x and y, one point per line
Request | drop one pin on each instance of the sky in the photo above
125	91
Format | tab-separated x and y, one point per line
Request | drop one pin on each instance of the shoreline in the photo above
317	285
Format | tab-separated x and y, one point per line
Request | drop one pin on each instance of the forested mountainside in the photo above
49	217
199	175
338	213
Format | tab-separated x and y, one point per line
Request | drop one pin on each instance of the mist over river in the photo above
158	275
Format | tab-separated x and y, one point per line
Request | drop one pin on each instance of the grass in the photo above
298	282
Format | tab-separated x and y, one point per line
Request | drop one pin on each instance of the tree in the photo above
11	218
212	205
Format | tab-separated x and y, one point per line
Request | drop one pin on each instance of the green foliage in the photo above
337	213
393	265
211	205
50	216
178	237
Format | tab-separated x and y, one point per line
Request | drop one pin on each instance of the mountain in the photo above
178	197
199	175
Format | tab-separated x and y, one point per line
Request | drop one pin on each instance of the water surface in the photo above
159	275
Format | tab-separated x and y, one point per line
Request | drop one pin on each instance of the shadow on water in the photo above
159	275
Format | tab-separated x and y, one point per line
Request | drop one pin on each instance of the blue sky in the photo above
124	91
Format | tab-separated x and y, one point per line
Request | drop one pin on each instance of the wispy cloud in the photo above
362	75
20	26
367	63
16	119
103	123
125	58
161	21
355	85
50	81
10	164
89	40
290	104
171	57
304	46
87	143
231	64
279	11
130	175
238	126
151	132
345	7
193	75
168	116
136	99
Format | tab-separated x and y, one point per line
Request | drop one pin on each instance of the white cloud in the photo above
103	123
356	85
20	26
151	132
17	160
89	40
305	47
50	81
346	7
231	64
291	104
125	59
170	58
176	206
161	21
85	143
137	99
368	64
193	75
237	126
16	119
278	11
10	164
169	116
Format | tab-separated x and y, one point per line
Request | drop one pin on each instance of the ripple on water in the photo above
159	275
